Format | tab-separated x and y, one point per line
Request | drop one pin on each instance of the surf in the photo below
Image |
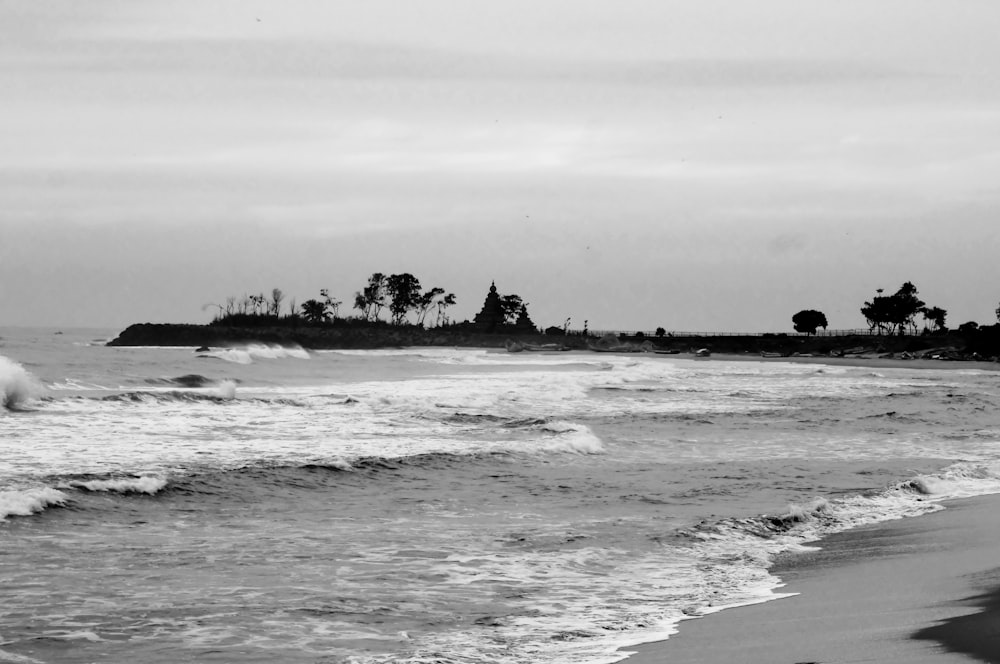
17	386
26	502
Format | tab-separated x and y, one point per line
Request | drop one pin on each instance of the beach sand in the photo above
921	590
871	361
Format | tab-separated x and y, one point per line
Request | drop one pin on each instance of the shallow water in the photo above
436	504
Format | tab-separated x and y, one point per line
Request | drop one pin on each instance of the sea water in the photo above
264	504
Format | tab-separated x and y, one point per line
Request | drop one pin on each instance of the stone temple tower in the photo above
490	317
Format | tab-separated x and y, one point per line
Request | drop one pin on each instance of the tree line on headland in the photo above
395	309
885	314
400	295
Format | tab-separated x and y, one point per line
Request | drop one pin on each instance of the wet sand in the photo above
864	361
921	590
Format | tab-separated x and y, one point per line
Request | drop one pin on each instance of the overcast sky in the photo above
710	165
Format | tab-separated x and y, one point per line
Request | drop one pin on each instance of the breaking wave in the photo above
149	485
569	437
17	386
29	501
822	516
187	380
247	354
226	392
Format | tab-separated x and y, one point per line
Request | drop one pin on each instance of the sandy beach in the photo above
920	590
866	361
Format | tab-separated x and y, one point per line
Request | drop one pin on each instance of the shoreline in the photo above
354	334
866	361
889	352
925	590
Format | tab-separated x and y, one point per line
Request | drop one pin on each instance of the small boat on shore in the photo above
520	346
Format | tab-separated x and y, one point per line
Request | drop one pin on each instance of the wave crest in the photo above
225	393
29	501
17	386
146	484
247	354
573	438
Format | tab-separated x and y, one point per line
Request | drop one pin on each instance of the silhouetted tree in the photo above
660	332
403	291
442	305
332	303
257	302
276	298
893	313
935	315
314	311
808	320
372	298
425	302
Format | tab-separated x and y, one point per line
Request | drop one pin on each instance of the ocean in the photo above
438	505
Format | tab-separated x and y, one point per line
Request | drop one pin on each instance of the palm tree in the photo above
314	311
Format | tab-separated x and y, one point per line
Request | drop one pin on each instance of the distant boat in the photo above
765	353
623	348
702	352
546	347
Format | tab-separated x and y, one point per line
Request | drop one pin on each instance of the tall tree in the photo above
314	311
893	313
372	298
442	306
935	315
808	320
425	302
332	303
276	299
403	291
361	304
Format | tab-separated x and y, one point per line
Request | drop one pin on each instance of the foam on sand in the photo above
864	595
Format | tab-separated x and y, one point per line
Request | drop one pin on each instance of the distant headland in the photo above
503	321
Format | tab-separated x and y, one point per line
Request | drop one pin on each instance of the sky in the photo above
702	166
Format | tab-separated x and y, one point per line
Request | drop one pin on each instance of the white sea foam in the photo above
29	501
573	438
145	484
227	390
17	386
70	384
570	592
247	354
960	480
14	658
